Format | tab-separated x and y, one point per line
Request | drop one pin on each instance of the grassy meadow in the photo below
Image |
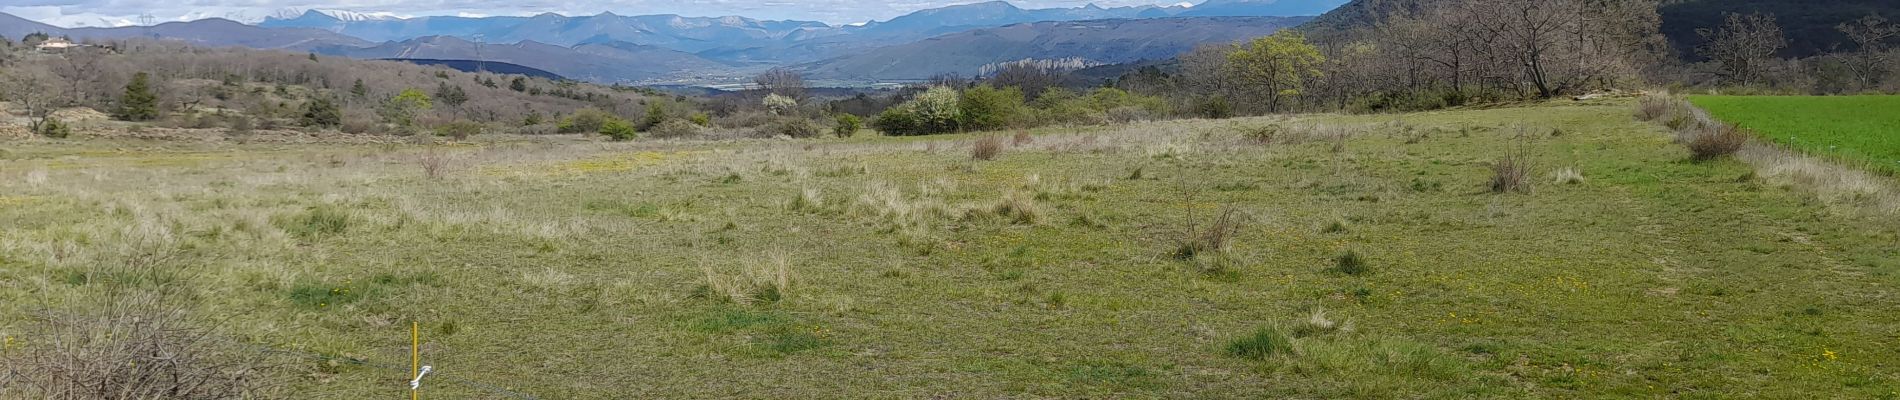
1860	130
1320	256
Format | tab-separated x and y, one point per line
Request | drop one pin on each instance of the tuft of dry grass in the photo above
1656	106
1021	138
1512	172
1567	176
768	281
986	148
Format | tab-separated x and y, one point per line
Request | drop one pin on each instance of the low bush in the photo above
1210	239
674	128
618	129
847	125
1715	142
586	120
934	111
459	130
55	129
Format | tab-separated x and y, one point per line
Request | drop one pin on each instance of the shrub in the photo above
1215	107
896	121
55	129
847	125
674	129
1212	239
986	148
618	129
983	107
584	121
1021	138
1128	114
1263	134
656	113
403	108
1265	342
780	105
321	112
242	124
702	119
1512	173
136	346
359	125
934	111
1651	108
459	130
1722	140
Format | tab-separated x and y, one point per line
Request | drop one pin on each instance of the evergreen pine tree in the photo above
139	103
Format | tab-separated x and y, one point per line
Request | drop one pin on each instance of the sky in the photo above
76	13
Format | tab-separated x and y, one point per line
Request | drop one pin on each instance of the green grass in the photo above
567	269
1860	130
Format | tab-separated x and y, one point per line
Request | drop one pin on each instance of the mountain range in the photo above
612	48
1091	42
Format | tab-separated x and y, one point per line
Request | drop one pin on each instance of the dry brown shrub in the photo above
1715	142
986	148
1512	172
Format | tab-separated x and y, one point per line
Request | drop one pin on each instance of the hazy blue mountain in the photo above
1091	42
218	32
740	40
1261	8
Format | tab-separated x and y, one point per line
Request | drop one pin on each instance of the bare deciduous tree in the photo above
33	88
1743	46
783	82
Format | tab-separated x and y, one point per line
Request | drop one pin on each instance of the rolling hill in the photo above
594	62
1808	24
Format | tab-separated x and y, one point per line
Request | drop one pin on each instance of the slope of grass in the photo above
1860	130
902	268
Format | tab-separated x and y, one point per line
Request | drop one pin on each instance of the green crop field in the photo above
1854	129
1344	257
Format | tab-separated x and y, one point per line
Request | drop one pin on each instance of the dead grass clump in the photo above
986	148
1014	207
1654	107
1512	173
1568	176
808	200
1021	138
1714	142
760	282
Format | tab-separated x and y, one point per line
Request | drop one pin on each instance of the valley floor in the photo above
901	268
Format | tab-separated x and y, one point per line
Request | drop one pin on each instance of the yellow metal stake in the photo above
415	357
